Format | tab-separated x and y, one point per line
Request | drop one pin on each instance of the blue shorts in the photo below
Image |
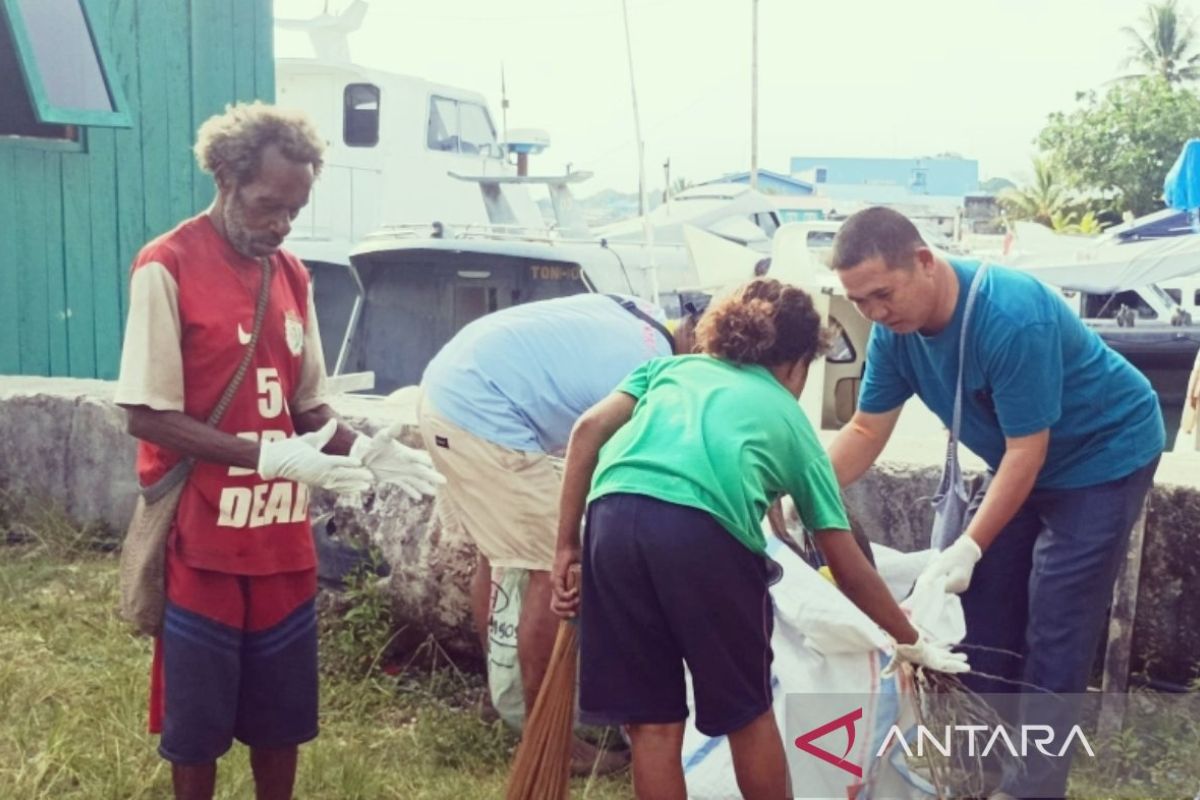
665	584
237	659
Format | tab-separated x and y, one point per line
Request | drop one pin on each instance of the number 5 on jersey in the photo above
270	393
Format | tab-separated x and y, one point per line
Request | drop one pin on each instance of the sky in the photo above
867	78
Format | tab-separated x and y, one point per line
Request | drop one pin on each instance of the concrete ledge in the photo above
65	440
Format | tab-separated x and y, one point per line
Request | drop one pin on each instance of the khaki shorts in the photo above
505	500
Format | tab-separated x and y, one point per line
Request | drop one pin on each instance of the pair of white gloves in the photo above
948	571
376	458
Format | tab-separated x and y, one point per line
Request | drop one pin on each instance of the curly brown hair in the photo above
234	141
763	322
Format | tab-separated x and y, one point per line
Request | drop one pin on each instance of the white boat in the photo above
420	223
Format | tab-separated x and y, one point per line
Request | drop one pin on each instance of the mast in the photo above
754	96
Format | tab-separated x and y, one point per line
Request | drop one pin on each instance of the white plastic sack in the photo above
824	644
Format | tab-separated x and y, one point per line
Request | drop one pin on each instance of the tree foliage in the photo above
1072	222
1119	146
1041	201
1165	47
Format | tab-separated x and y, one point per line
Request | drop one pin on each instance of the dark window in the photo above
360	115
62	65
817	239
1196	298
1107	306
1175	294
17	117
820	174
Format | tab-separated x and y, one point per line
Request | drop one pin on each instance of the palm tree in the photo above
1165	45
1041	201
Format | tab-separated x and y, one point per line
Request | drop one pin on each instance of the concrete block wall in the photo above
65	440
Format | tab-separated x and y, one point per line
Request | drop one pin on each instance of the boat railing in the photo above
341	204
472	230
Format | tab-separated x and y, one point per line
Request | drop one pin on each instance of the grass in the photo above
73	686
74	681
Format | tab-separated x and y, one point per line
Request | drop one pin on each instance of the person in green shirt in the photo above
682	461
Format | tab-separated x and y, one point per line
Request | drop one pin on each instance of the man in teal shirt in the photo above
1070	431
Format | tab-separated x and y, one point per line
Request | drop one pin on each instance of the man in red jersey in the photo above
238	654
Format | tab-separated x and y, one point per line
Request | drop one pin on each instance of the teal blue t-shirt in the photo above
1032	364
725	438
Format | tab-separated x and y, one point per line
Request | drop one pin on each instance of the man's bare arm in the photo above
860	442
1018	470
190	437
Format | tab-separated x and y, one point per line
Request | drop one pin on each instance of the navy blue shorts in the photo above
665	584
237	658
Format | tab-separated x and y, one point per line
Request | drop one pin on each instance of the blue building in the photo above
939	176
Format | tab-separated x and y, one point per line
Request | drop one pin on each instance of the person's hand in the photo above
564	582
299	458
392	462
929	654
954	565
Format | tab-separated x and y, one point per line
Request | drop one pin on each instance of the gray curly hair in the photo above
234	141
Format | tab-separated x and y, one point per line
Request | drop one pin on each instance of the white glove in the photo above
954	565
299	458
929	654
392	462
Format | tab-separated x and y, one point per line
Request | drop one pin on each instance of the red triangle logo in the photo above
805	742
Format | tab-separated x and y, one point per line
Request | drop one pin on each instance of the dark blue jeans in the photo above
1042	593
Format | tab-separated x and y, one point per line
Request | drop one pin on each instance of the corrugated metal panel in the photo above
56	289
108	274
30	254
212	74
77	263
131	198
10	350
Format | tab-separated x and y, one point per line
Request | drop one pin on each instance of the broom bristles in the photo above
541	769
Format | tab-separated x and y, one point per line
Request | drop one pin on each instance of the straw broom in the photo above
541	769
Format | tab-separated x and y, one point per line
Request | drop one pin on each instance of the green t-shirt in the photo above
728	439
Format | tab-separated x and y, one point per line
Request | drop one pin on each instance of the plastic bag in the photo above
503	668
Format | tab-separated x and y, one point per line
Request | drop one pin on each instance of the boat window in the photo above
1160	293
458	127
443	125
476	134
1106	306
800	214
360	115
820	239
1196	298
66	81
841	349
766	221
1175	294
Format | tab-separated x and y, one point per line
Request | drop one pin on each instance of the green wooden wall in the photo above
72	219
